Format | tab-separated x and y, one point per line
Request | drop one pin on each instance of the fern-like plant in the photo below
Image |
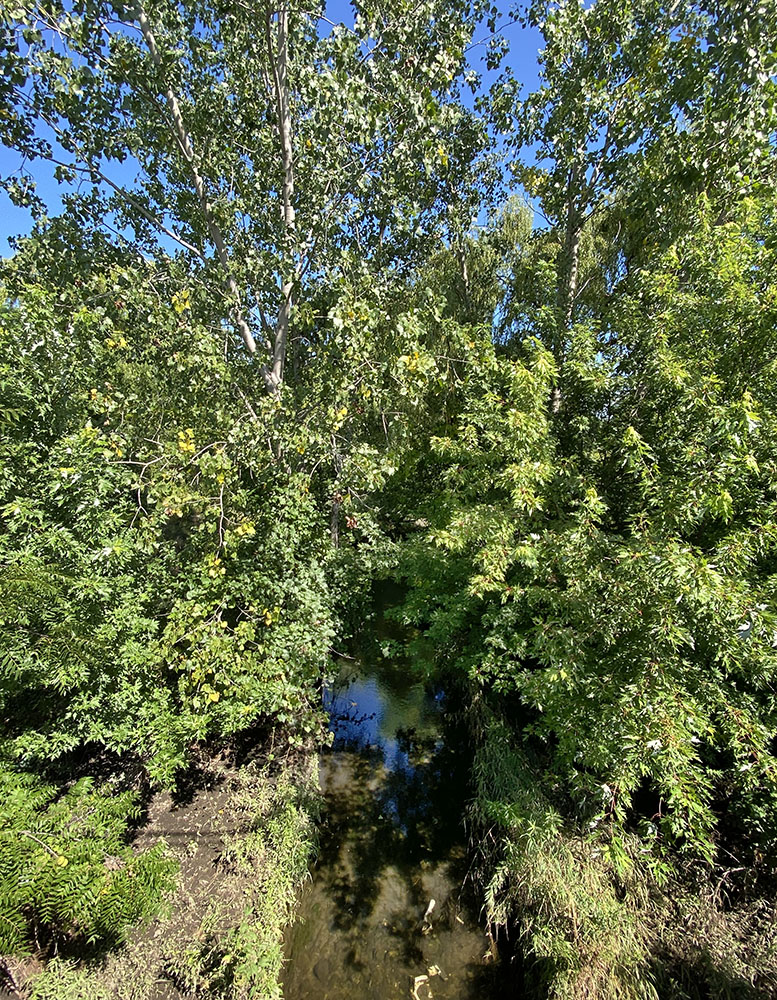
66	870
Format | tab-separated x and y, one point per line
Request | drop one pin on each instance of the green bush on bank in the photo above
66	872
559	889
162	584
603	575
161	581
597	915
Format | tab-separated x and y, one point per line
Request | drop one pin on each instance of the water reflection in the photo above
395	785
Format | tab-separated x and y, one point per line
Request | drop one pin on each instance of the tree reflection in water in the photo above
395	783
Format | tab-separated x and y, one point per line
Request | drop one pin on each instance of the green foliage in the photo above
64	980
174	538
265	863
665	103
280	361
598	557
613	566
580	940
376	140
160	575
65	867
162	571
596	914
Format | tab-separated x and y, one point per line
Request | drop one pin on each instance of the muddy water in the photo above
392	842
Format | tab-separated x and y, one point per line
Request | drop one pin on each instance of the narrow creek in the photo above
392	841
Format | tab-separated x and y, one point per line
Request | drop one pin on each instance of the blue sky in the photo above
522	58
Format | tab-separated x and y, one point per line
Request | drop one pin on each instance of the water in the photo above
395	785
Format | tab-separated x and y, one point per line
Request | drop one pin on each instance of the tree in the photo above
266	159
234	199
662	102
602	568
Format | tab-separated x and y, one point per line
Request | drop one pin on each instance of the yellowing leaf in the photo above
182	301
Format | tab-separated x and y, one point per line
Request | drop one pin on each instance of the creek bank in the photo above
243	838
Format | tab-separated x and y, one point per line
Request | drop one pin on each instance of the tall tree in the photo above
602	569
264	153
662	101
242	189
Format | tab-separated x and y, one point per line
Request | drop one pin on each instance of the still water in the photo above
385	915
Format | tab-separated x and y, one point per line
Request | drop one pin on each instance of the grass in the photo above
244	844
65	980
264	863
591	931
580	941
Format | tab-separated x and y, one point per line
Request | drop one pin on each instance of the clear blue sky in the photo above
522	58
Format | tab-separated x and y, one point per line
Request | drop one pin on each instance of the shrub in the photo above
66	871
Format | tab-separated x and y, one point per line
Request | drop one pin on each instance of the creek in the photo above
392	841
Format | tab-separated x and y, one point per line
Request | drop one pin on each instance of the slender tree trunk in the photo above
214	232
464	271
569	265
572	263
568	270
279	64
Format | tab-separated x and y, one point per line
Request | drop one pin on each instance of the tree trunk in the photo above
214	233
568	266
566	293
571	263
279	65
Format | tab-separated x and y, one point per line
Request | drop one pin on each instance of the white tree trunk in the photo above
214	232
279	64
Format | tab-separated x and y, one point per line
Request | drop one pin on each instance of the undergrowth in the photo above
66	871
238	951
595	916
557	890
222	936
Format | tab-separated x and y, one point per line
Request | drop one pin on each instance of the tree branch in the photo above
279	65
184	142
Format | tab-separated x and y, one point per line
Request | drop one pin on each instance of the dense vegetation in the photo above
295	330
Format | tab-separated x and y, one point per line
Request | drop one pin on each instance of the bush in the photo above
66	871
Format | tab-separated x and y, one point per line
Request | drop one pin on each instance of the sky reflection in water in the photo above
395	784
